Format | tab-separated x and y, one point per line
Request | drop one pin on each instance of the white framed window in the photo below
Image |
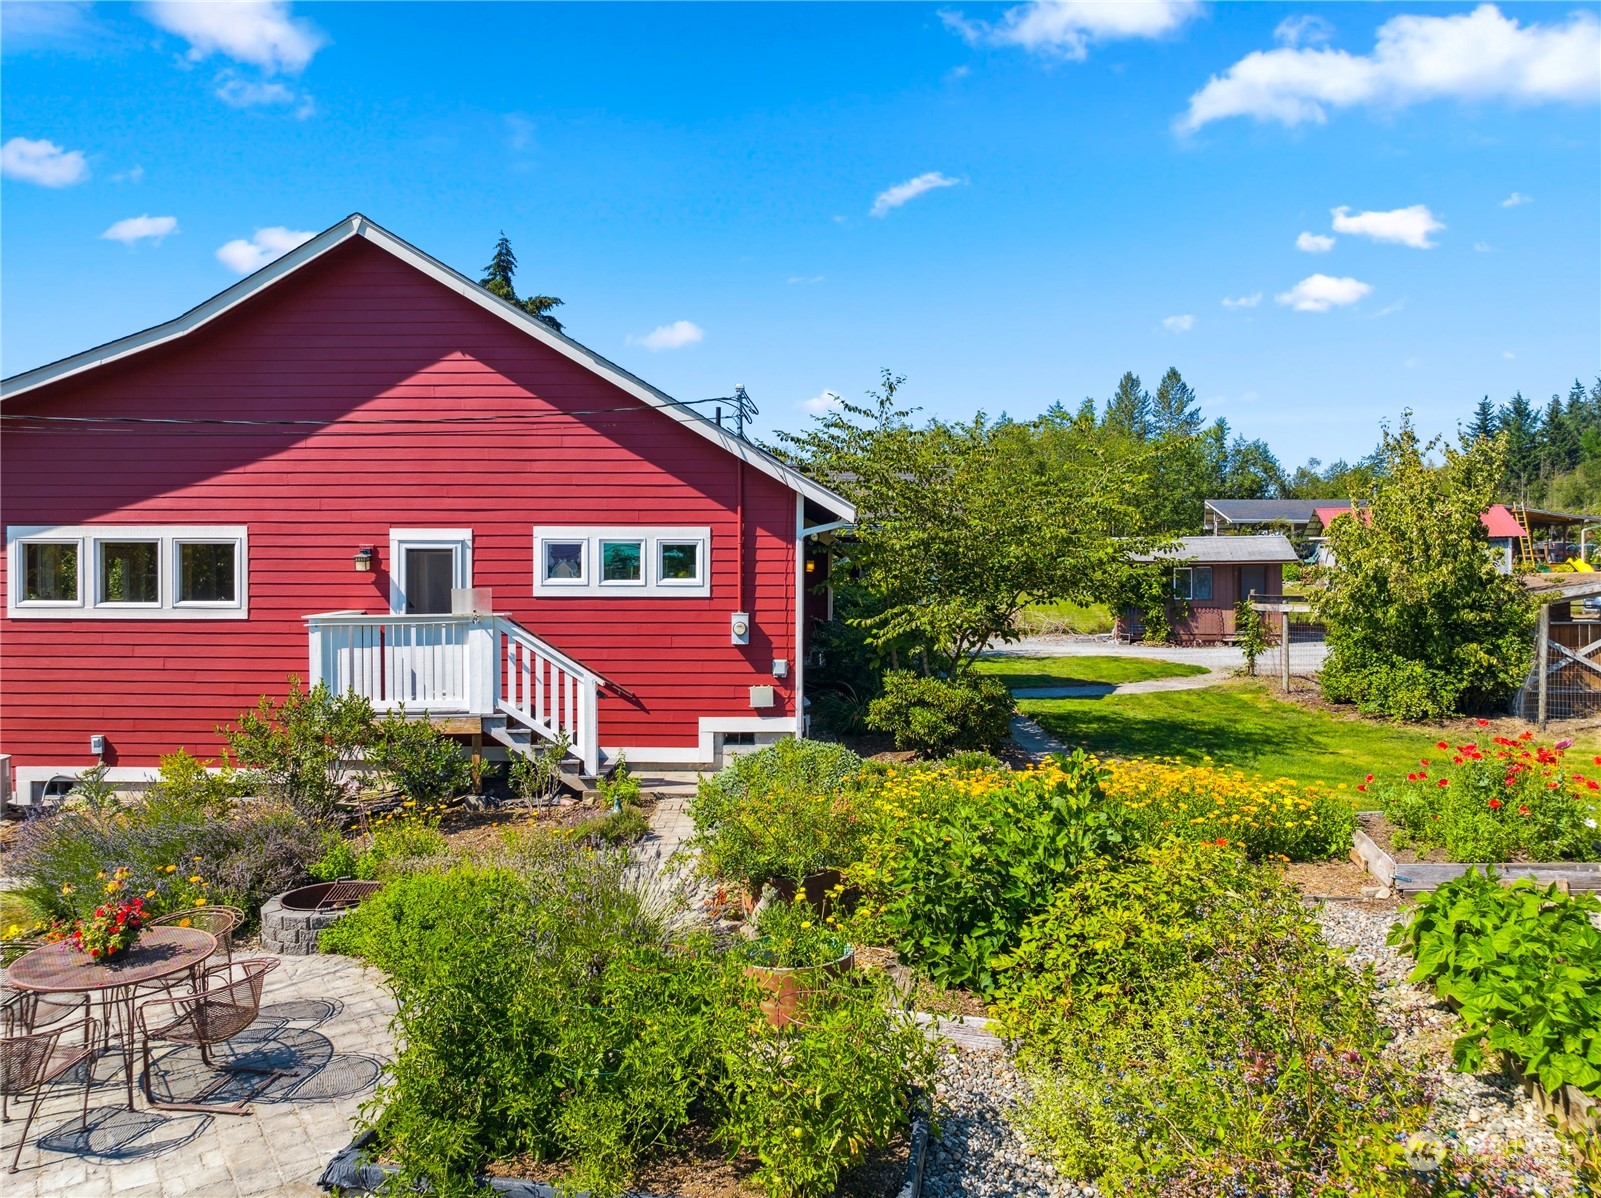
1192	582
128	572
659	562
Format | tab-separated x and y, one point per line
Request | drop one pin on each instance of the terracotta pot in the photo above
786	988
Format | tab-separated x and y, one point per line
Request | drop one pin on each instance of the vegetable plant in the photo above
1524	966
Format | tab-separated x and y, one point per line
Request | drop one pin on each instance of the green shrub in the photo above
1525	966
974	856
554	1014
615	827
1504	801
781	812
425	764
1189	1033
792	935
937	716
306	750
389	849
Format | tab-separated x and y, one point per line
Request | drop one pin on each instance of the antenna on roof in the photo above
744	410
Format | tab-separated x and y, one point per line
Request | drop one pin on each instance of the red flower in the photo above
1457	759
1592	784
1369	778
1525	736
1495	804
1423	761
1220	840
1523	811
1361	786
1444	782
1440	744
1411	777
1482	723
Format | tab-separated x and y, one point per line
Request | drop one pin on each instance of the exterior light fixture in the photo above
364	559
811	565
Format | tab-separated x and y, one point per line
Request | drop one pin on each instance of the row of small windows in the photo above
129	572
621	562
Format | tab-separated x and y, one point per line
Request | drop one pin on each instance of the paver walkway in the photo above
323	1019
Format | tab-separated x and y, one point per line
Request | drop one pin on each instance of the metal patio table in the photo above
161	952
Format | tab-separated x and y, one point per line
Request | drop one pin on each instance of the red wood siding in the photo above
360	336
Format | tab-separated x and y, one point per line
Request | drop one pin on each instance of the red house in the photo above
358	466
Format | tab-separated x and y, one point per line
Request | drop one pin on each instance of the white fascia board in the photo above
357	225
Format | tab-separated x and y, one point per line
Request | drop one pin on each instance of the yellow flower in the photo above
100	875
184	922
194	879
171	869
68	889
805	923
150	894
200	902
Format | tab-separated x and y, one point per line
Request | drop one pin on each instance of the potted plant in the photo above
111	930
793	956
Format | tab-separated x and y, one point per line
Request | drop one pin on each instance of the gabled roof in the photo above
1501	523
357	225
1208	550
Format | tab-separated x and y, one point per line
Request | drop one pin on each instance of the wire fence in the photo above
1294	660
1572	669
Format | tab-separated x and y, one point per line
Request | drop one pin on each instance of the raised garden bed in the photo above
701	1172
1416	877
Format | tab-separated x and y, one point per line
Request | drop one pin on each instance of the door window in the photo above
430	574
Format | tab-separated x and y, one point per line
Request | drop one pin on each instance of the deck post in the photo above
1284	650
314	653
1542	661
482	682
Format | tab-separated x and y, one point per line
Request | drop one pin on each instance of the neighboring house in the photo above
1210	575
359	466
1506	534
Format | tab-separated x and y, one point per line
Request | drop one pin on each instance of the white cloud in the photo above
793	279
1478	55
266	246
247	93
1508	354
1319	293
1388	309
818	404
1178	324
1303	30
1067	27
1403	226
141	228
42	162
1516	198
1244	301
258	32
670	336
901	193
1314	243
1481	247
134	174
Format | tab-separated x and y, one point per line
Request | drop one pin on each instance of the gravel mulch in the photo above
1484	1113
979	1154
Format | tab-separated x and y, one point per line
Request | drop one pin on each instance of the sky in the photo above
1321	214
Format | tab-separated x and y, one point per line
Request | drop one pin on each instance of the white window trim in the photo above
89	605
637	584
401	539
650	584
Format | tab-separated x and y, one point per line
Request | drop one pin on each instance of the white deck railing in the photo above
459	665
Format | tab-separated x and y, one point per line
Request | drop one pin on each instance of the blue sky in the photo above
1010	205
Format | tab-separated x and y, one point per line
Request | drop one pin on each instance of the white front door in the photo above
425	565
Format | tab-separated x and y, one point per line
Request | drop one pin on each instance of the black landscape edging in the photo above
351	1175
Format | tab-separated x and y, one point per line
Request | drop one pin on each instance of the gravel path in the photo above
1482	1112
978	1153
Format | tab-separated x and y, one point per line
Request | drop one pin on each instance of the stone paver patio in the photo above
325	1020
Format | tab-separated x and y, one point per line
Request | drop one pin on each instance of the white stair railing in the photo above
482	665
547	691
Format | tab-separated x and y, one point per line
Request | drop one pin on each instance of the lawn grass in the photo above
1081	671
1058	618
1241	724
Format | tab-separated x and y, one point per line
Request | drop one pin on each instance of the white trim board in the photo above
357	225
458	540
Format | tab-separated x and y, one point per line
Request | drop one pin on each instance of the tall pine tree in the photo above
1175	410
1521	423
1129	409
497	280
1484	423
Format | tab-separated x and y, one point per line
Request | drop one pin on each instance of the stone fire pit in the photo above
291	922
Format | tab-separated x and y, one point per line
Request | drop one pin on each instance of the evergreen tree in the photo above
1484	422
1559	451
1175	411
497	280
1129	409
1521	423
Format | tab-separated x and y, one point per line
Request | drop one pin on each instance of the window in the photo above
50	572
117	572
680	562
572	562
564	561
1192	582
130	572
208	572
622	561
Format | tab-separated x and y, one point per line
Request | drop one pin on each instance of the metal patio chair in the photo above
33	1062
225	1006
221	921
23	1011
